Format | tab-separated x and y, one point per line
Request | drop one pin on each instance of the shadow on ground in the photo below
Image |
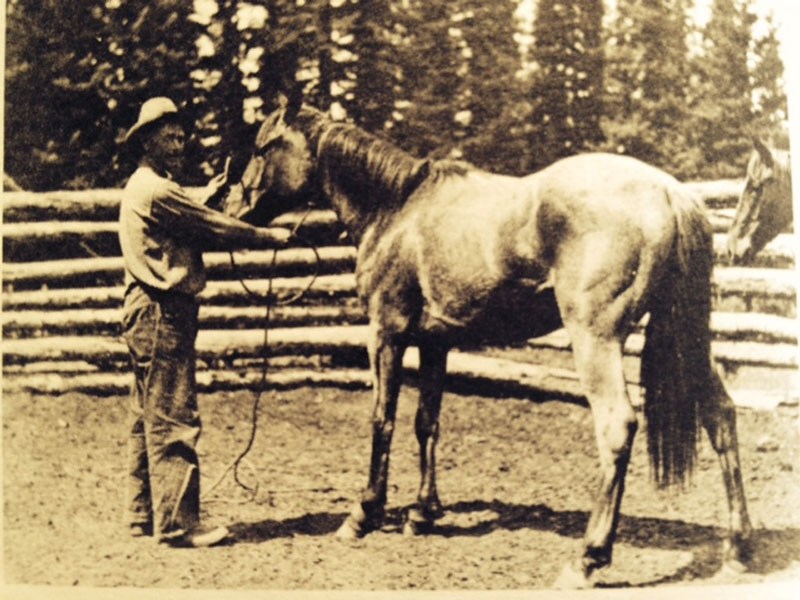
773	550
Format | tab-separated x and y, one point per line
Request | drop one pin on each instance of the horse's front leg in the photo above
432	368
386	355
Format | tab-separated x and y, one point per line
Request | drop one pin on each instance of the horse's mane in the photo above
367	167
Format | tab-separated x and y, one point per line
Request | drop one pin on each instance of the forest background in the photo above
509	85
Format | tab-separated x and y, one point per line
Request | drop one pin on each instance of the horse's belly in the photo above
509	314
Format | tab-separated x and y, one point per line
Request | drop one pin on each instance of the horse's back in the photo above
611	182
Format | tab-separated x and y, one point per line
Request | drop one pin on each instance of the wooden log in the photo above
229	344
325	288
211	344
290	261
99	204
742	289
294	261
52	366
103	205
778	254
85	298
755	282
61	271
47	230
723	193
31	240
721	219
53	240
729	353
114	384
754	327
36	323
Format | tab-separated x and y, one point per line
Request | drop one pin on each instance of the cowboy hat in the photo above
152	110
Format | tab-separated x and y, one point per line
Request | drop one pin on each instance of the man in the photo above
162	234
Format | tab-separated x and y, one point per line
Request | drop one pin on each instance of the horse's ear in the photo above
763	151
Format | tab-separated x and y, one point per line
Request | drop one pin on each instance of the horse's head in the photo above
279	176
764	207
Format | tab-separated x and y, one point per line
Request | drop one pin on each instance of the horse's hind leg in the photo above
719	419
599	365
432	368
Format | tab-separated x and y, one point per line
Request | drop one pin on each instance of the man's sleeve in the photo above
202	226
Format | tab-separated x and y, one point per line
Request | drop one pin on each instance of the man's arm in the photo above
197	224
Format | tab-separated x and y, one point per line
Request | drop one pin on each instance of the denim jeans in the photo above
164	478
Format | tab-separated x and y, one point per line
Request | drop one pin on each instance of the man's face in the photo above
165	146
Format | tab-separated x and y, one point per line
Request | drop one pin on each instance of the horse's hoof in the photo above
737	551
410	529
417	522
572	578
348	531
414	528
732	568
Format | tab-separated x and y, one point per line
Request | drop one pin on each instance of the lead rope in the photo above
268	300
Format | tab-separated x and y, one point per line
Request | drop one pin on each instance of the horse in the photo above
765	204
449	255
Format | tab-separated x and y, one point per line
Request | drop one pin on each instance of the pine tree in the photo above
646	86
567	92
495	106
251	57
76	77
723	109
770	96
376	37
427	78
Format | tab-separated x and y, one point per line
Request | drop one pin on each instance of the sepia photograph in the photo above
399	299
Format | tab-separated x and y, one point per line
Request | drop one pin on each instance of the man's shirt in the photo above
163	232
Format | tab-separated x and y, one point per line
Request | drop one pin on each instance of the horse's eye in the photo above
270	144
756	186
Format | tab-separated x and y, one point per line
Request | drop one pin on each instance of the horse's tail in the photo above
676	359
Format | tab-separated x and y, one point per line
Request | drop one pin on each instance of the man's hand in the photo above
274	237
217	183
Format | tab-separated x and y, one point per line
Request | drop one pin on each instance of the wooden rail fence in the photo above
62	290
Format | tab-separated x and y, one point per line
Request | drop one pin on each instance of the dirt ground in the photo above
516	478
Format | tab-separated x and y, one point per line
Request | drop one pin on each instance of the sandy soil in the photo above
516	478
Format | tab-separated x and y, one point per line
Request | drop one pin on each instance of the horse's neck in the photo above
365	179
355	218
784	170
783	179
